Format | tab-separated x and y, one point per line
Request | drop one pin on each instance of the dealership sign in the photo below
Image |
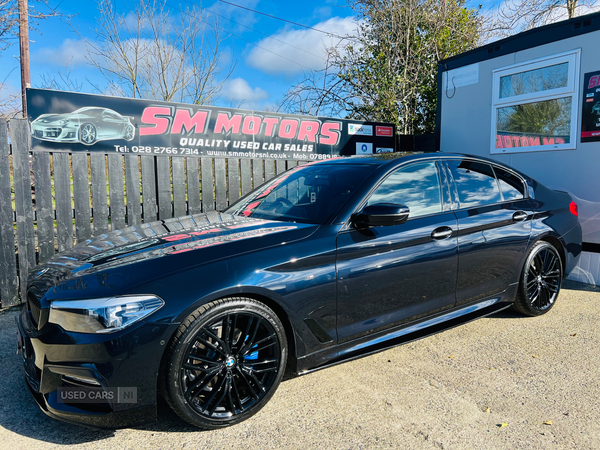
65	121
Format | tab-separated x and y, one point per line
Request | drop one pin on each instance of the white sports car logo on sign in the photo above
86	125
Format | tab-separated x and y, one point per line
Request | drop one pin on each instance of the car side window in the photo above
511	185
94	112
416	186
475	183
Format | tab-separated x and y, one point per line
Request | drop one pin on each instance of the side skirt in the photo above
397	336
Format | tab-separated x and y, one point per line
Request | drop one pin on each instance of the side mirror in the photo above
381	215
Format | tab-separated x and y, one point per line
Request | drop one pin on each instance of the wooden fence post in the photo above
132	183
43	206
62	197
9	285
149	188
20	139
81	194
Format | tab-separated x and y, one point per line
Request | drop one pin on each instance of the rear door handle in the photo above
519	216
441	233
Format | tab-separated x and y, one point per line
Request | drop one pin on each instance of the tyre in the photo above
129	133
540	281
87	134
224	362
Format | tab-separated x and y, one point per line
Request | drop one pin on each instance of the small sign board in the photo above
463	76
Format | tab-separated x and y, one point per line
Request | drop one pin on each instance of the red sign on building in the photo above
384	131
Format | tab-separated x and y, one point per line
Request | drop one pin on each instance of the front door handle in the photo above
519	216
441	233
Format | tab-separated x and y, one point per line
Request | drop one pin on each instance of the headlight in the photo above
64	122
102	315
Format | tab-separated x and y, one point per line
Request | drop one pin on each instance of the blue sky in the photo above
271	54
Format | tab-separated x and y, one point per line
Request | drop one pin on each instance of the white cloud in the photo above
243	17
71	51
242	95
322	11
293	51
131	20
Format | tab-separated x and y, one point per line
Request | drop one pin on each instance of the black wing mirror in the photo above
381	215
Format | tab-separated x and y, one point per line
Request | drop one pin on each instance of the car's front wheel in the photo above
87	134
225	362
540	281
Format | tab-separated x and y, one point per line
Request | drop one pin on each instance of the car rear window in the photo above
475	183
511	185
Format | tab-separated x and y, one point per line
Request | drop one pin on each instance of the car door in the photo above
390	275
494	225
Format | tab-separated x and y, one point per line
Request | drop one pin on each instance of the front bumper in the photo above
55	360
55	133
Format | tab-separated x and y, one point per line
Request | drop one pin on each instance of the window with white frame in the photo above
535	105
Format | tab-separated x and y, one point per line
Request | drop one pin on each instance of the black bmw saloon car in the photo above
327	262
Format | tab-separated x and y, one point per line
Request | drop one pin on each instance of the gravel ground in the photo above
455	390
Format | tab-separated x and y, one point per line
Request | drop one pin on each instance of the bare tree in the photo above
148	52
515	16
10	102
323	92
62	82
8	20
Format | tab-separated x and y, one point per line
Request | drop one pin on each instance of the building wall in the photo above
466	127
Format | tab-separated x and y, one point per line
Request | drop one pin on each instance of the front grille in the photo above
34	308
53	132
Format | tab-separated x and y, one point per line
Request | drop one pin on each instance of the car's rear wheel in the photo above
540	281
225	362
87	134
129	132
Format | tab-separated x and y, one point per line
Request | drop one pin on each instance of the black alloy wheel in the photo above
541	280
226	364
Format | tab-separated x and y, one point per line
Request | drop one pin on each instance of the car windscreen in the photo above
305	194
92	112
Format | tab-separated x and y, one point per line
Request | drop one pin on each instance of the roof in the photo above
371	160
527	39
392	160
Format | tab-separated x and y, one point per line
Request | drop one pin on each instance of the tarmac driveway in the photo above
455	390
